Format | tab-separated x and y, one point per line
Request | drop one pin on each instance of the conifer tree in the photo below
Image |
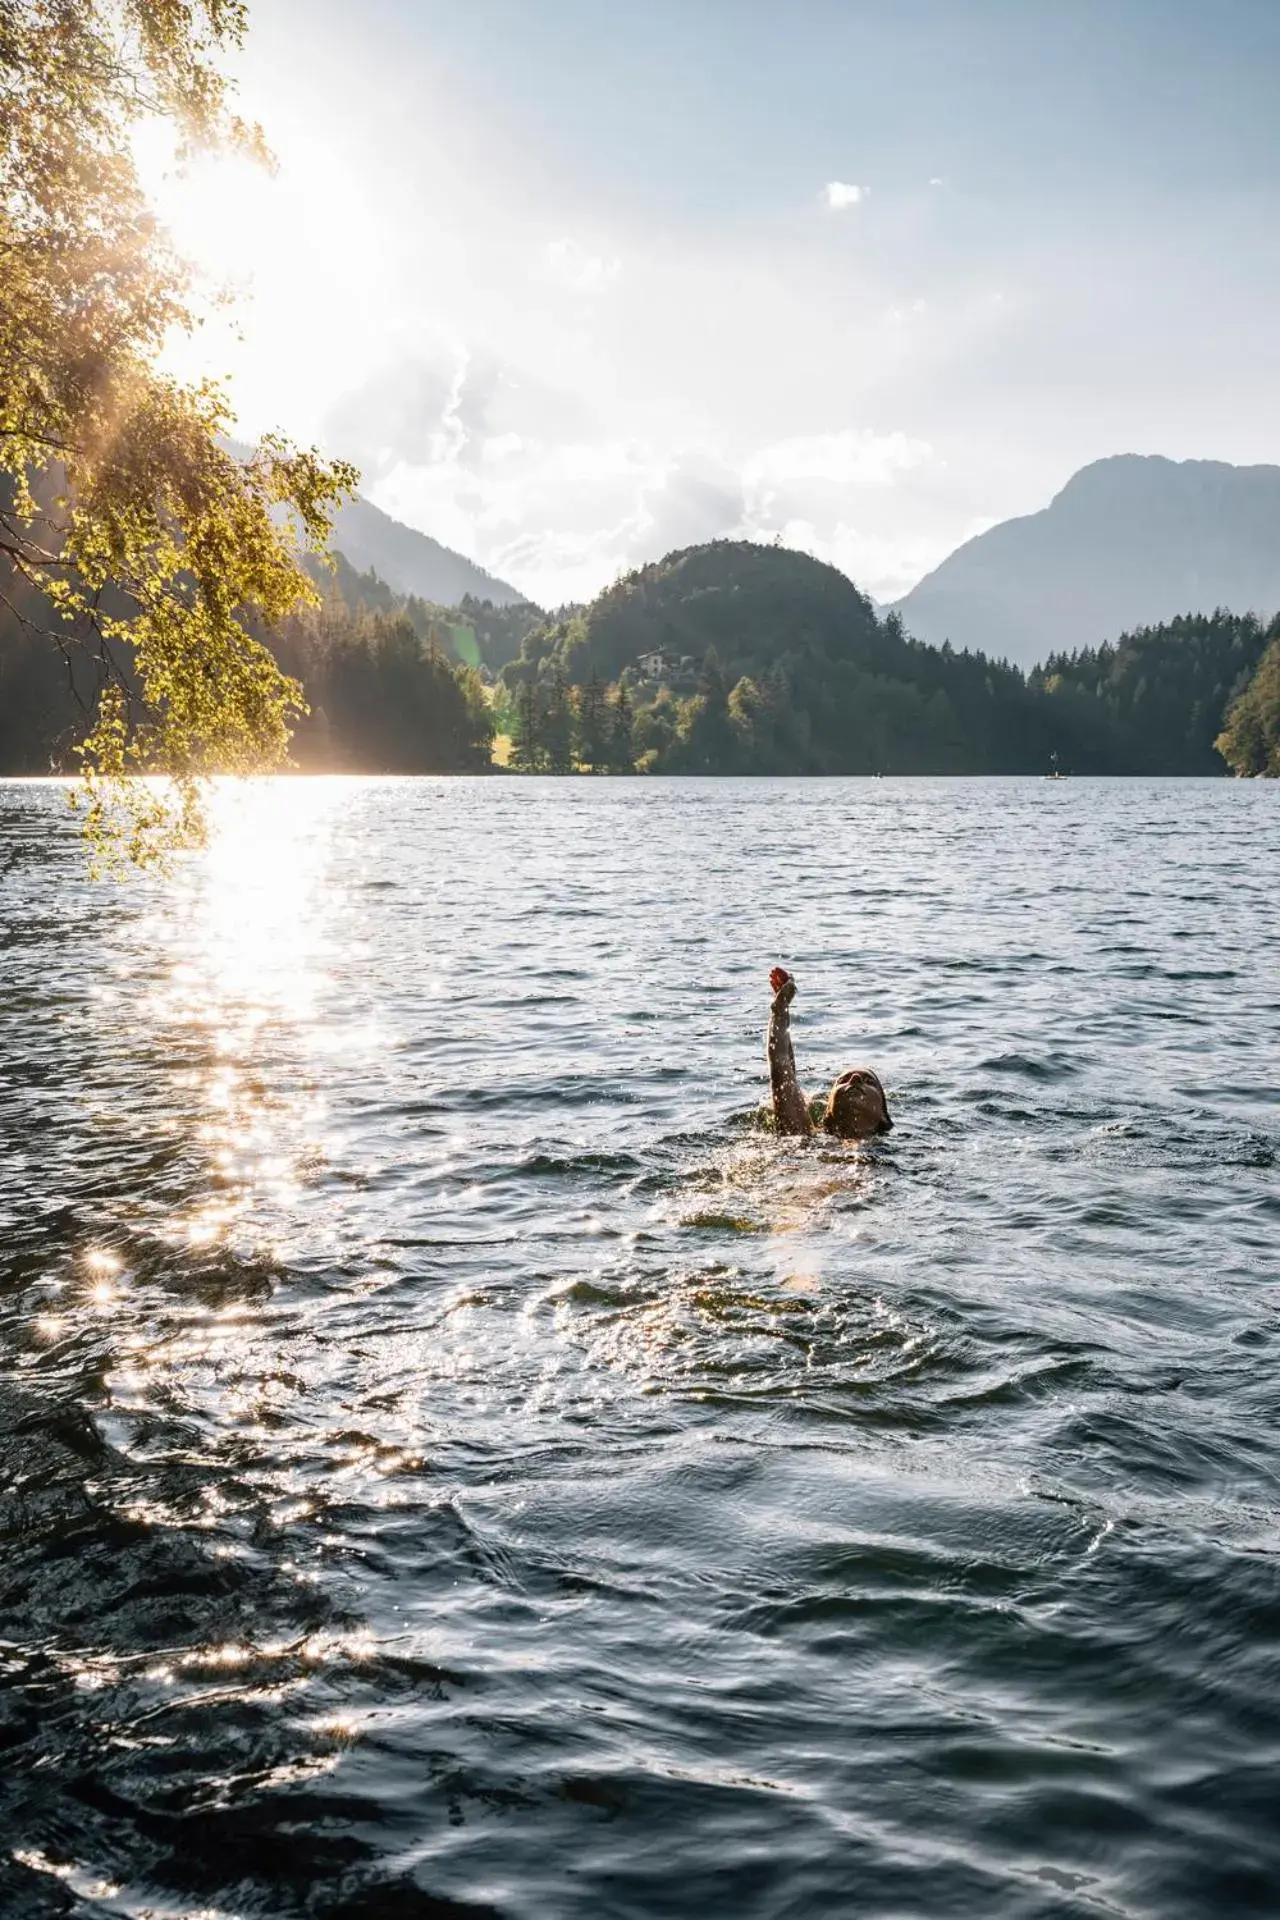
622	746
527	748
593	726
708	738
557	725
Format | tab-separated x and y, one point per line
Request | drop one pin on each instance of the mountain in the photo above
731	658
413	562
408	561
748	659
745	658
755	605
1130	541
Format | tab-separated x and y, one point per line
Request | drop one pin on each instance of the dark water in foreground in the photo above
454	1463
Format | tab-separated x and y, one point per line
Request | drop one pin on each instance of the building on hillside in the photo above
662	666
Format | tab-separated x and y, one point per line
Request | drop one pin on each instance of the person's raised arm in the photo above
790	1108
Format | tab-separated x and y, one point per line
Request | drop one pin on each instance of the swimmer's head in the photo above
856	1106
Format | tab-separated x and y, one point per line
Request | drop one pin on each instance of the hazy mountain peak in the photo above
1129	541
407	560
1141	476
413	562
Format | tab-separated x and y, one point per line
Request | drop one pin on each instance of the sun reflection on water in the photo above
249	929
268	849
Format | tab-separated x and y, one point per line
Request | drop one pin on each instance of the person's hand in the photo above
778	979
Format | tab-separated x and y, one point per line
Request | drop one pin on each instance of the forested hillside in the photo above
720	659
394	685
737	658
1154	701
480	632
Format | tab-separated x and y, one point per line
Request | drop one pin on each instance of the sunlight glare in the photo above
263	248
247	933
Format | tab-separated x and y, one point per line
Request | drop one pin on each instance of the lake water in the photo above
456	1462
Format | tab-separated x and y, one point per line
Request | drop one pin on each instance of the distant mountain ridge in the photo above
413	562
404	559
1130	541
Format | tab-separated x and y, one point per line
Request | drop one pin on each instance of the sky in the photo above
575	282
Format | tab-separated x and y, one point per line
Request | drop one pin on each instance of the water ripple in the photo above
457	1461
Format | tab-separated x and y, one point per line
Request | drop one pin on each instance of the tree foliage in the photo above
556	725
768	661
1250	740
480	632
1153	700
382	697
127	528
742	658
593	726
389	692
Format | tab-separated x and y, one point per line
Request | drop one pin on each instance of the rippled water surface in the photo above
456	1461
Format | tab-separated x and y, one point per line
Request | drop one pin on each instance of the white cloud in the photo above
852	458
571	265
559	434
501	446
887	565
560	519
561	514
883	566
840	194
833	495
737	343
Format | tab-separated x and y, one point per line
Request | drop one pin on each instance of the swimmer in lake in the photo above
856	1108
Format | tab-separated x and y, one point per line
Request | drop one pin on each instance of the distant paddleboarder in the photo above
856	1108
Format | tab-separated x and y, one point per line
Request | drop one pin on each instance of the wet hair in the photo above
856	1107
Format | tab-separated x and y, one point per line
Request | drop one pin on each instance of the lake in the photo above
456	1461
